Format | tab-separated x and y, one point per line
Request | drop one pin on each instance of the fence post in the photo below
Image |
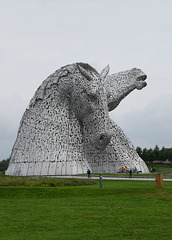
101	184
159	180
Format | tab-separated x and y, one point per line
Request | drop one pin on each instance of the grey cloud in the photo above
11	109
149	126
38	37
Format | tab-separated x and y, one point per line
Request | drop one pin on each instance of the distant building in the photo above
167	162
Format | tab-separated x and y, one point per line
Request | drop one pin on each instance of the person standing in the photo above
89	173
130	173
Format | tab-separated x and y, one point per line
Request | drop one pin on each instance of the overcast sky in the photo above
37	37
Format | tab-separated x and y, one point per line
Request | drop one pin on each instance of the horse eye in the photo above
92	97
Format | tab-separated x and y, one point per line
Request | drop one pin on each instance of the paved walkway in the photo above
116	178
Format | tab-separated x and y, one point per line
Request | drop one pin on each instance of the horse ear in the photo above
84	72
105	72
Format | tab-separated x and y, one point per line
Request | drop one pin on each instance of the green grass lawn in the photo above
164	168
120	210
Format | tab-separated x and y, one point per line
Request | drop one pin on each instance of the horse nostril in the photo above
102	138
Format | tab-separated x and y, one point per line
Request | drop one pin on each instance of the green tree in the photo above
163	154
150	155
139	151
169	154
156	152
145	154
4	165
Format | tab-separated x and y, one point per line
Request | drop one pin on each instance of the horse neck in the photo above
61	123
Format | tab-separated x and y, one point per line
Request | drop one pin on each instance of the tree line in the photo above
155	154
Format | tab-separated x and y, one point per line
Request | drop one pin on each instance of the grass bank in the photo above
42	181
120	210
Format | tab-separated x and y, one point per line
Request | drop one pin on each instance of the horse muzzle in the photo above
103	140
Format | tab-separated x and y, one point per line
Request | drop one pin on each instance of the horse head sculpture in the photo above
69	107
89	102
120	152
119	85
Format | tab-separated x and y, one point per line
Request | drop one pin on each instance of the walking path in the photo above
115	178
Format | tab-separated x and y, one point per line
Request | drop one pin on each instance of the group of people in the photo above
124	169
153	170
